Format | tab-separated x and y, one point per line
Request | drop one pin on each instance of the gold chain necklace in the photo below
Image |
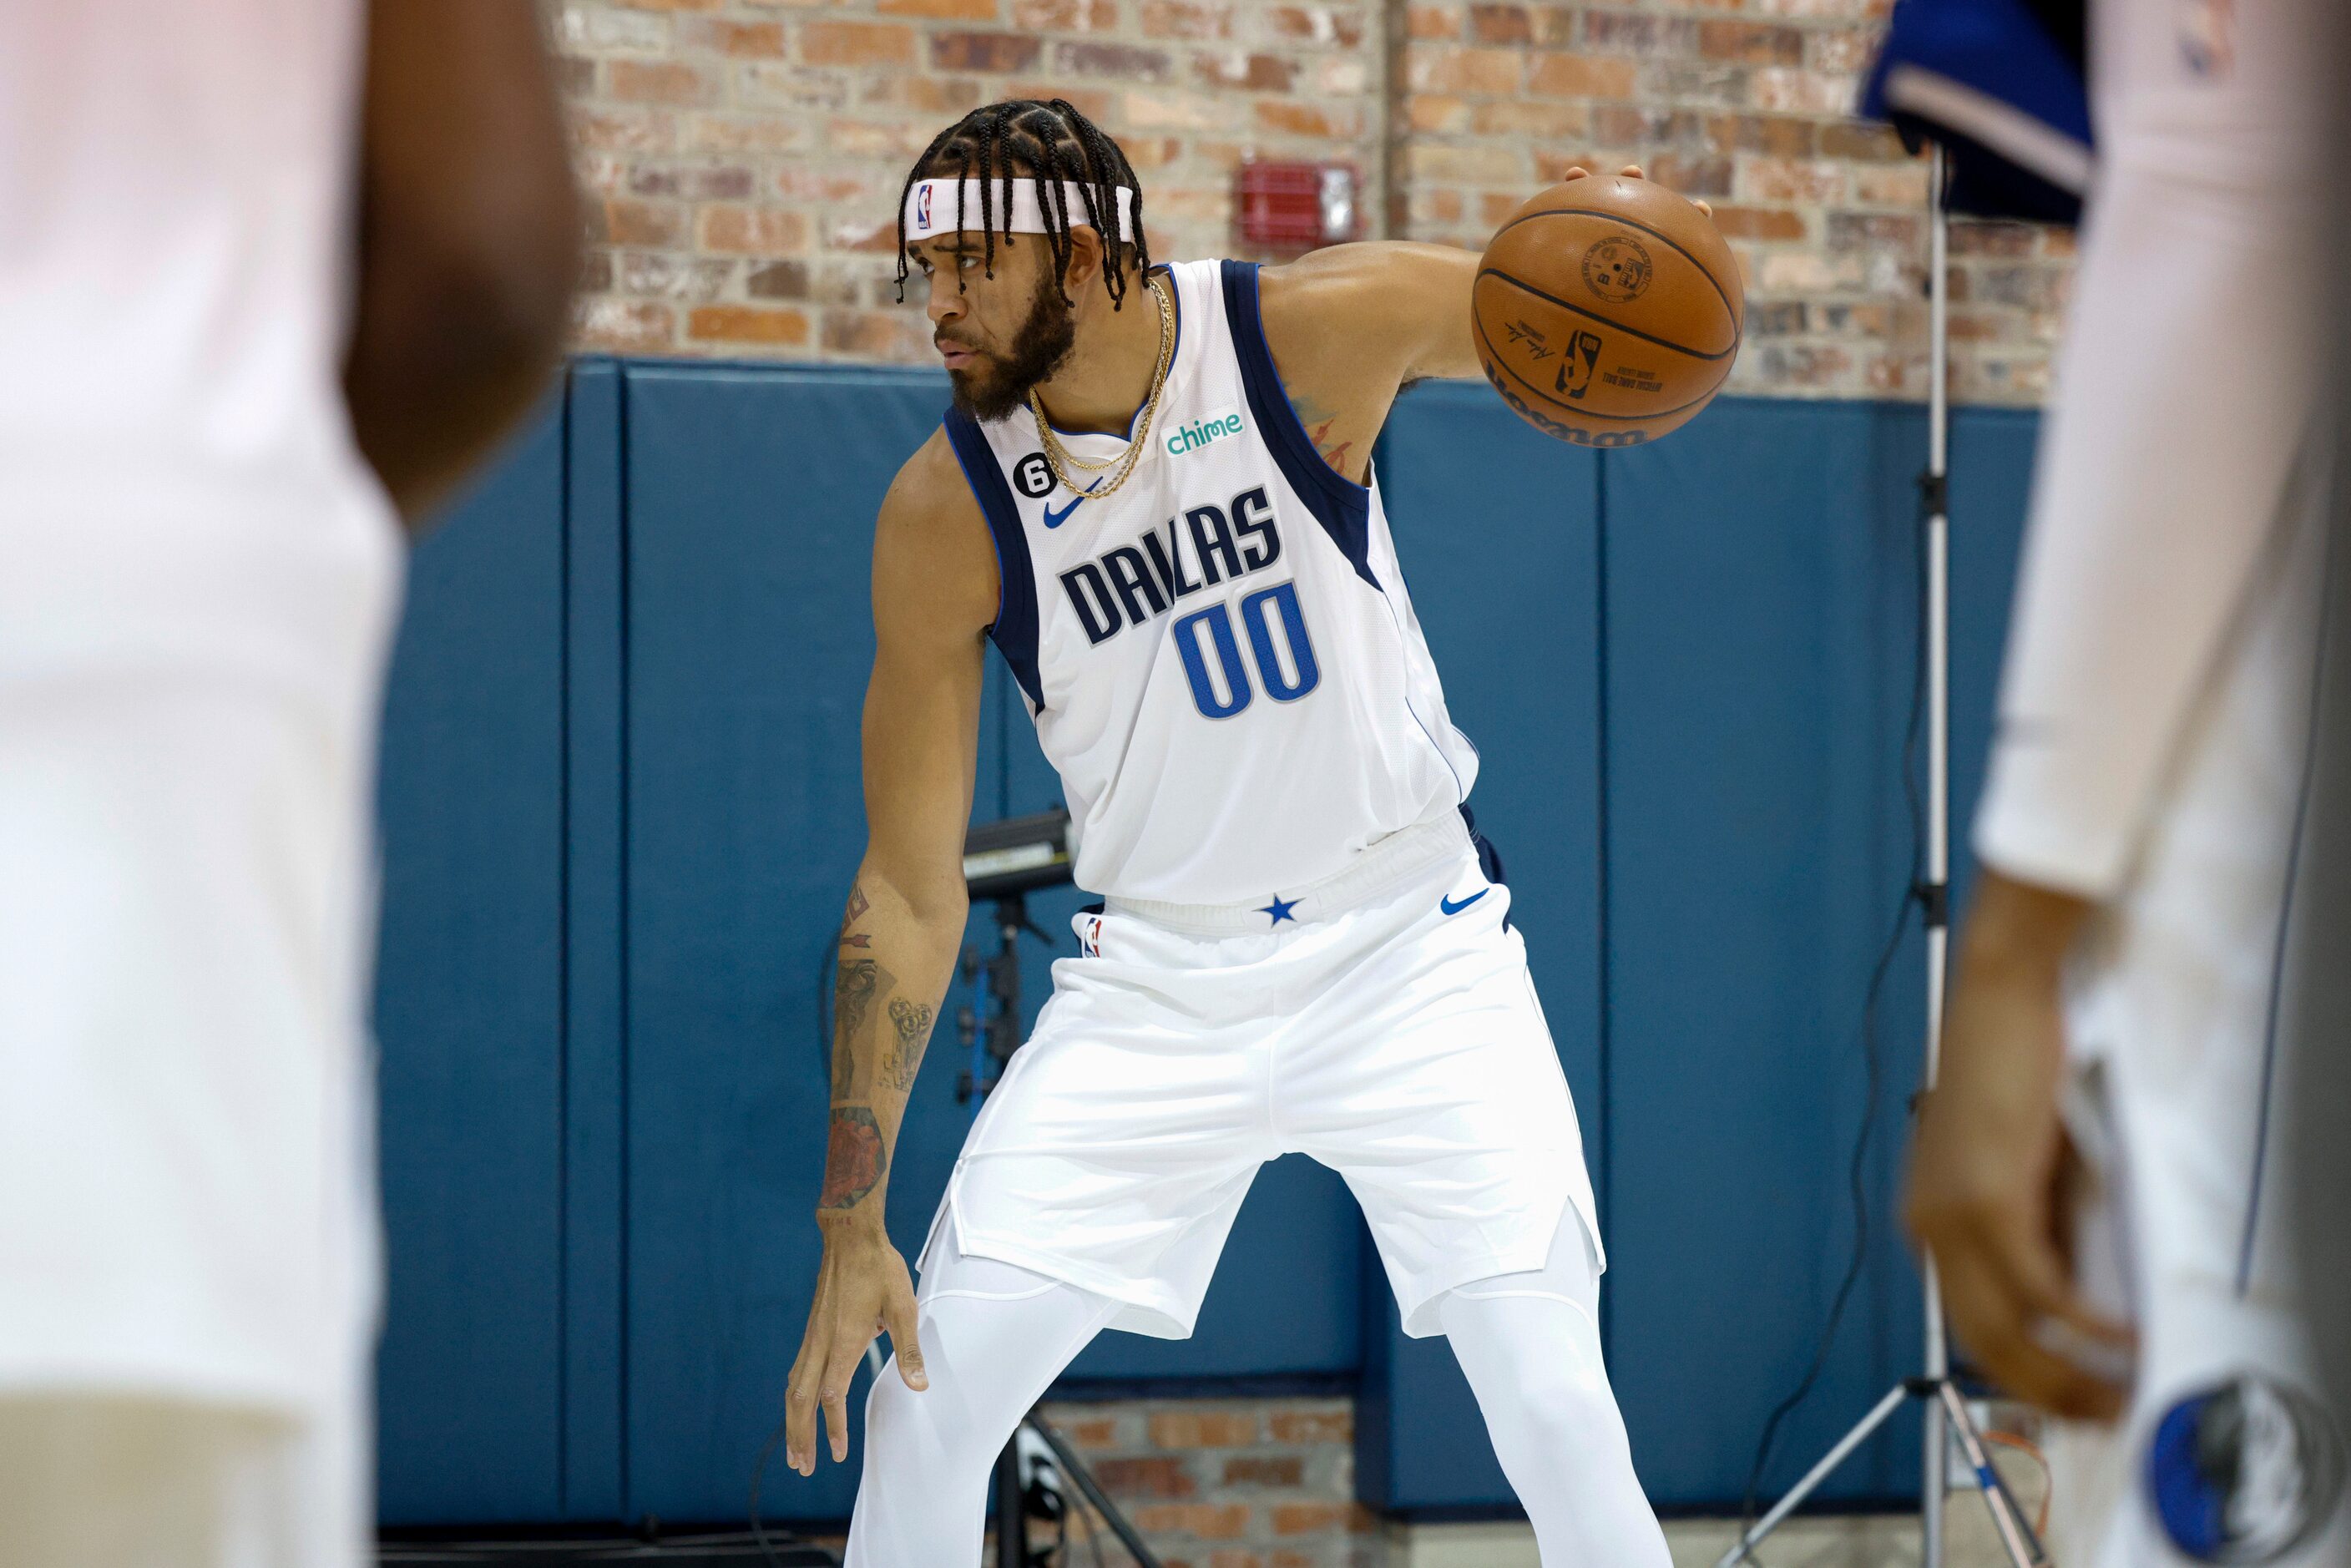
1061	460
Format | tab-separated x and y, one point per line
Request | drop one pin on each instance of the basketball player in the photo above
1153	493
198	574
2095	1172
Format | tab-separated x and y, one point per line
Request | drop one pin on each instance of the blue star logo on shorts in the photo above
1281	911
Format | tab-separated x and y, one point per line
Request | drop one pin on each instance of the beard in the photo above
1002	382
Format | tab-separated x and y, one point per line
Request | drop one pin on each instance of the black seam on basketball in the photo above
1552	398
1663	238
1608	321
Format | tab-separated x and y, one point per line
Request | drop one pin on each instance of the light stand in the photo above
1003	862
1946	1412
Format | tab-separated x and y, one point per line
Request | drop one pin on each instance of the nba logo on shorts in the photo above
1090	935
2244	1472
922	209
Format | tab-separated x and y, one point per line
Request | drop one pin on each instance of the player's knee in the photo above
909	1434
895	1420
1562	1410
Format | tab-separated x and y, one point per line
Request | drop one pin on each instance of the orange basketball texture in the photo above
1607	311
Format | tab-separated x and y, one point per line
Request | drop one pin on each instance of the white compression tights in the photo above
995	1336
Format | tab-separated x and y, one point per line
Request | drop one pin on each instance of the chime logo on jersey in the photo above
2248	1471
1139	583
1190	438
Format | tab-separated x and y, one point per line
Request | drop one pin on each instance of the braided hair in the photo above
1052	144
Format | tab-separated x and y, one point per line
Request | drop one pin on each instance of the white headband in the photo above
931	207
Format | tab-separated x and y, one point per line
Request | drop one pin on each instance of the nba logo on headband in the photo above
1014	207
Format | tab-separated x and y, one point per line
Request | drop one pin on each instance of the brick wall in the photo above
744	155
1230	1483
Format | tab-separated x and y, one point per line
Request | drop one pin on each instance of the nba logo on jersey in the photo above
922	209
1090	935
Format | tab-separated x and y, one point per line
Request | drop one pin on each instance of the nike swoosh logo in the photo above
1449	907
1054	520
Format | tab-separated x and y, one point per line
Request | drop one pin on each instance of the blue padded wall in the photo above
621	810
1760	583
471	1009
750	503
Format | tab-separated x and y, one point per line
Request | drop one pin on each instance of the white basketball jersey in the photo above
175	219
198	579
1221	656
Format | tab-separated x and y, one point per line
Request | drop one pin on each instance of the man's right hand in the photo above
1985	1177
862	1289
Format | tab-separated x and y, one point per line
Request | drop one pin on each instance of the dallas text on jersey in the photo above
1130	585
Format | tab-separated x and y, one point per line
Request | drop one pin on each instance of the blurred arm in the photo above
2187	389
468	236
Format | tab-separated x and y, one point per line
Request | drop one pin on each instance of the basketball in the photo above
1607	311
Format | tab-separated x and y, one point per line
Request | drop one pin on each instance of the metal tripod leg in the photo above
1073	1470
1816	1475
2024	1546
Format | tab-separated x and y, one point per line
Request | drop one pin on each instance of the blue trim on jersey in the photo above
1343	506
1014	630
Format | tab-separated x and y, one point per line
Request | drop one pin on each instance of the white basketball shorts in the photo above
1382	1022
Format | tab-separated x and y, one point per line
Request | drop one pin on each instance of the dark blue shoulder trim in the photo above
1343	506
1015	630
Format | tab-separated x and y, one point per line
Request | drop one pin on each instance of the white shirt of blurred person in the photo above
2097	1173
230	234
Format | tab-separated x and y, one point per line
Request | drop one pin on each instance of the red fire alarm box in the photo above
1298	206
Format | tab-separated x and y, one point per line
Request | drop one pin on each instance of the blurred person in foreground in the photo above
271	271
2097	1171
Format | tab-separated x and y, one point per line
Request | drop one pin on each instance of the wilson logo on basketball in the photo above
1617	269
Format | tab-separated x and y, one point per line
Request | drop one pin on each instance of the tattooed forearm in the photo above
878	1036
857	984
854	986
913	1021
854	1159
